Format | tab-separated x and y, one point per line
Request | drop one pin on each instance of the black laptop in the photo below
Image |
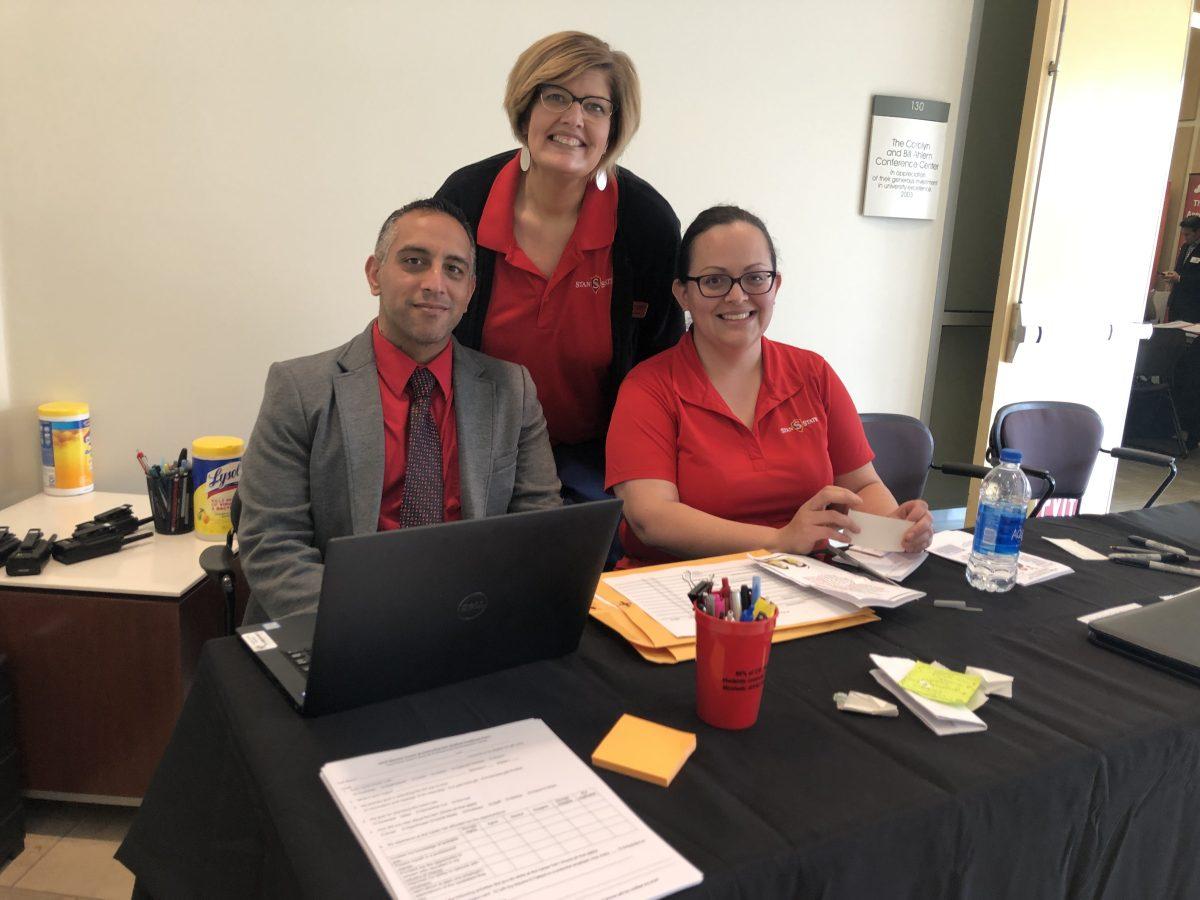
404	611
1165	634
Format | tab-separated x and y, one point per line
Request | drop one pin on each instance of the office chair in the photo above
903	448
1063	438
1154	376
220	562
903	452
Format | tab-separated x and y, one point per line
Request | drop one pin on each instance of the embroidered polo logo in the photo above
640	308
798	425
595	283
472	606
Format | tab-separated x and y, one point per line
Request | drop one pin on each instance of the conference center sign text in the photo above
906	159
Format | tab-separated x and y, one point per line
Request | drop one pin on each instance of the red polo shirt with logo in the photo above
395	368
559	327
671	424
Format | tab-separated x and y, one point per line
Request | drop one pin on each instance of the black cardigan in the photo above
644	250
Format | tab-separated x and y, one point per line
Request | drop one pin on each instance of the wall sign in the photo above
906	160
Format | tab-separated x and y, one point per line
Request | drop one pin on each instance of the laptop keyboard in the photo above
300	658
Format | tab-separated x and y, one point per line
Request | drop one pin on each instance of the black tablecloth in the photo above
1086	783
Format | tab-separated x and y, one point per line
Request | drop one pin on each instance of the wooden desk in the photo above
102	653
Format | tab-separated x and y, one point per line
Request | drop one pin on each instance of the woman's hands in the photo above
917	537
823	518
818	519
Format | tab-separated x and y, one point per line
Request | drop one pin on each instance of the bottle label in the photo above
999	530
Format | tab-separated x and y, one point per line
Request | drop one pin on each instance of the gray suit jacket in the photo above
313	468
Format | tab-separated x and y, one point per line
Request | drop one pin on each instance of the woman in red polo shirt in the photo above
575	255
729	441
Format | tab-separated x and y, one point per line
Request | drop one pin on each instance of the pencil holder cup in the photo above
171	503
731	666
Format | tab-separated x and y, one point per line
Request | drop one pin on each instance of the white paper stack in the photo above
956	547
858	590
505	812
896	566
941	718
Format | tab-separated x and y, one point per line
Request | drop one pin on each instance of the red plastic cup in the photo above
731	666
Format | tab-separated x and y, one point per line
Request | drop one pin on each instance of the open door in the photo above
1094	151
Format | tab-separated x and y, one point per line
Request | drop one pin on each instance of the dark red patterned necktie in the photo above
422	503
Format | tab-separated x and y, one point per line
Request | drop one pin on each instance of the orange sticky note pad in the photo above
644	750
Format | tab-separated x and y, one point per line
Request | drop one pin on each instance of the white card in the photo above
258	641
1076	549
878	532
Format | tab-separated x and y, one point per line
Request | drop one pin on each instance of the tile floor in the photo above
1136	482
69	846
68	853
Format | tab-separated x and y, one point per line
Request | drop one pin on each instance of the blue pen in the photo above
747	614
755	590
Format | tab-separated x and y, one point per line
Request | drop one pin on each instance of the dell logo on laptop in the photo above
472	606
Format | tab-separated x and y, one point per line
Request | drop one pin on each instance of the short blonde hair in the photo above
560	57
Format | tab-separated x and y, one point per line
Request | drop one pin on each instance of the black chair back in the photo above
1157	356
1061	438
903	451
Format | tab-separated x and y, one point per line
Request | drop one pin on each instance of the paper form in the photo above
663	595
508	811
852	589
956	547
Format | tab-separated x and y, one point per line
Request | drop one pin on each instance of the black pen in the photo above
1141	562
1161	547
1149	554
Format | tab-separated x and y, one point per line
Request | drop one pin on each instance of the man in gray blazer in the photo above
401	426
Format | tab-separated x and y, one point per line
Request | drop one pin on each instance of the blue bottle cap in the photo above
1009	455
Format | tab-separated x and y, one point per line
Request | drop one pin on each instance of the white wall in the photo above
190	189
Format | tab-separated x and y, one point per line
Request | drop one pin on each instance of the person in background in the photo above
575	253
398	428
1184	302
730	441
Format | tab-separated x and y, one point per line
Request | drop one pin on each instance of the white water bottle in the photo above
1003	501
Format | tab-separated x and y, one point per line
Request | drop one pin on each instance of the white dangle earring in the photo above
601	180
525	159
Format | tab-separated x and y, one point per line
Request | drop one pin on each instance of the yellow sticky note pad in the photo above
943	685
644	750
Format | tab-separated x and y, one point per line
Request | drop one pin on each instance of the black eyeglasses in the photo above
557	98
715	285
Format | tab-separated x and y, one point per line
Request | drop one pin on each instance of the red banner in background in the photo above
1191	200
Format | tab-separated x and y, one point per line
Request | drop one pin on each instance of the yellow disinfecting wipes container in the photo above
216	467
66	432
